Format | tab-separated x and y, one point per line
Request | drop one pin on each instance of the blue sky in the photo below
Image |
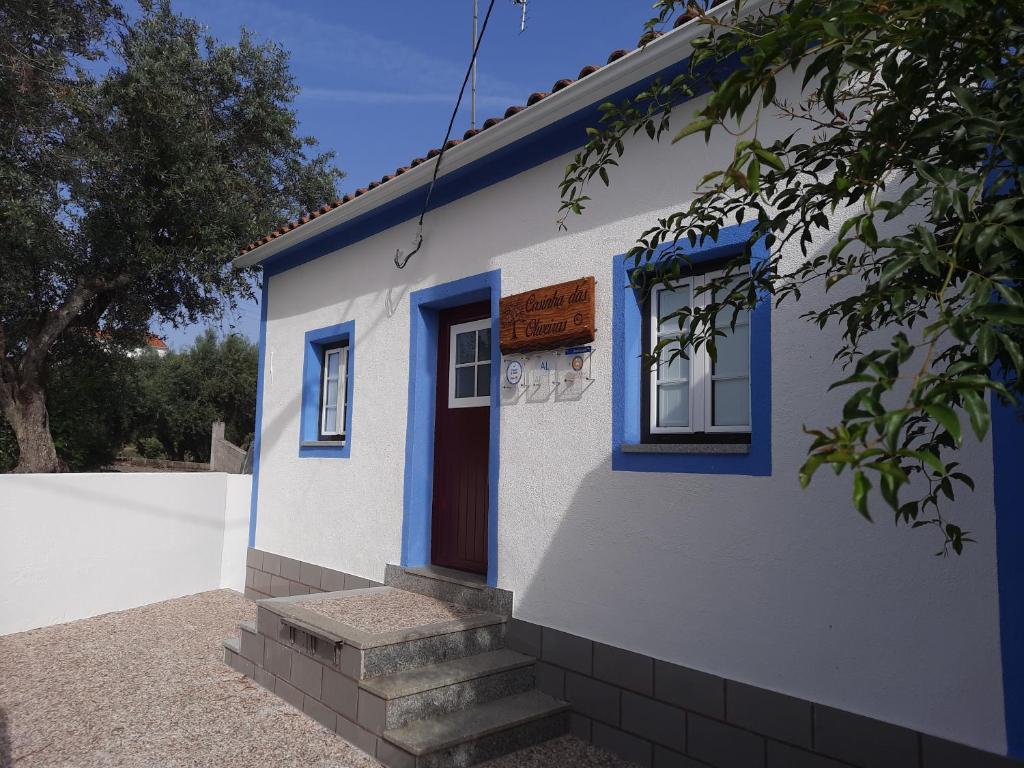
379	79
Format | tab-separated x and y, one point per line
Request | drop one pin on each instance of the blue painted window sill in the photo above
702	448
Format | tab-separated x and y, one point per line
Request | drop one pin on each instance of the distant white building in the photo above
153	344
686	596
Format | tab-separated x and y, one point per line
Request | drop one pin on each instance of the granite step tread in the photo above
248	626
233	644
425	736
446	673
451	576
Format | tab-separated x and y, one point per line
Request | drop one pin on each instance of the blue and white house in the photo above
681	591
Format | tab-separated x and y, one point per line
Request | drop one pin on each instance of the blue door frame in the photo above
424	306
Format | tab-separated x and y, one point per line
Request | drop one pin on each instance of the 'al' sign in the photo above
547	318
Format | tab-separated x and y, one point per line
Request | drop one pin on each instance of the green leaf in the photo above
1003	313
947	417
695	127
861	486
978	413
768	158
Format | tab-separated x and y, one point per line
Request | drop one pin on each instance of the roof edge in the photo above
654	56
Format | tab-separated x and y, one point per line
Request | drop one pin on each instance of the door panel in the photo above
462	439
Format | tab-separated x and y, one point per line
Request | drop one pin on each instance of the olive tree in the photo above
135	156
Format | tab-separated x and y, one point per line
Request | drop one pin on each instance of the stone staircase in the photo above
396	674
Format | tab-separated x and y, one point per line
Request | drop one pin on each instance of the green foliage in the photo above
909	129
135	157
94	404
150	448
184	393
104	397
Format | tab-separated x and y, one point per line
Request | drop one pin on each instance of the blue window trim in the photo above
1007	439
424	306
309	419
626	374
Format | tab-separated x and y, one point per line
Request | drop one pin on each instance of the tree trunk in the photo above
27	415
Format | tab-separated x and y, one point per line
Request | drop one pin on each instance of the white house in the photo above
692	604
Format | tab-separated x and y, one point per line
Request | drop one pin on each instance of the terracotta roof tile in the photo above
490	122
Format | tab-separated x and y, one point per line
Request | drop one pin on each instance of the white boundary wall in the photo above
78	545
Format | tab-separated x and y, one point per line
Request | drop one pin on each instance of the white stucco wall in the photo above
78	545
746	577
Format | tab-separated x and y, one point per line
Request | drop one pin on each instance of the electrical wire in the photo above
401	260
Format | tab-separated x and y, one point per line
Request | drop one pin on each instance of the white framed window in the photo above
694	395
469	364
333	392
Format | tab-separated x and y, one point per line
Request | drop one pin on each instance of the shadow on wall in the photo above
754	580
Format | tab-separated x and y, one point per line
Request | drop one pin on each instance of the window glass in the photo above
673	405
731	402
671	300
483	379
697	395
484	344
464	381
733	352
332	409
465	347
672	369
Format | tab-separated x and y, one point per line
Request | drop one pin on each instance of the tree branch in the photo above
56	321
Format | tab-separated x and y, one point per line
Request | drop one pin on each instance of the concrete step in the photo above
450	586
359	654
477	734
447	687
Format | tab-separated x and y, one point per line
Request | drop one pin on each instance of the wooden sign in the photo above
546	318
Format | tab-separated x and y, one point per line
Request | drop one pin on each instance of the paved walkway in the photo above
149	687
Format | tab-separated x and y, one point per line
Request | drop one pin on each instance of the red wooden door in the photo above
461	439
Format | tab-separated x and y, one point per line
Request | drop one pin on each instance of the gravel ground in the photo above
149	688
388	611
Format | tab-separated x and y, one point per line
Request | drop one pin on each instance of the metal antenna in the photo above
472	43
522	18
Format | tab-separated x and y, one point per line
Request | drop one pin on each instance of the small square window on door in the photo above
469	366
334	377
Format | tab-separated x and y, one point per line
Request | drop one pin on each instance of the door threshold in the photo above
466	578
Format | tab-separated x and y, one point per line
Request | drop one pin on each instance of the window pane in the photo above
669	301
331	393
332	364
465	347
731	403
464	378
484	344
483	380
733	351
672	370
330	419
673	405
